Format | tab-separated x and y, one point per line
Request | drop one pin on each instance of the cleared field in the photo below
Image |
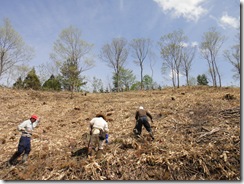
197	135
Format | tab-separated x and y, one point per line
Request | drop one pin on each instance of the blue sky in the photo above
40	22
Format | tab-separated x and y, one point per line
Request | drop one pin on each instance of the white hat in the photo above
140	107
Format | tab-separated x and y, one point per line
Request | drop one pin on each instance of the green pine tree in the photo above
52	84
71	79
32	81
18	84
202	80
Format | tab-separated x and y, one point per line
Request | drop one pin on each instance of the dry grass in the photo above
197	135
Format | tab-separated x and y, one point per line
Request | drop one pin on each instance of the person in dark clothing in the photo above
141	119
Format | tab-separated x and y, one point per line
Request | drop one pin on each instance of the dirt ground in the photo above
197	135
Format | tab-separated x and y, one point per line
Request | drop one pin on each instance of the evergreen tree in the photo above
71	80
106	91
147	82
32	81
136	86
125	79
202	80
101	90
52	84
18	84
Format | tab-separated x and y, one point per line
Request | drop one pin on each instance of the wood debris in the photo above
197	135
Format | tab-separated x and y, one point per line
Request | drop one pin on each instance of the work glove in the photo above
106	138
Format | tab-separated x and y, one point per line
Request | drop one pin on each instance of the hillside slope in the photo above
197	135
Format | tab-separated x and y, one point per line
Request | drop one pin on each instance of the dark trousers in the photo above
142	121
23	147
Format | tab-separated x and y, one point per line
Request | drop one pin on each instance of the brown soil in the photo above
197	135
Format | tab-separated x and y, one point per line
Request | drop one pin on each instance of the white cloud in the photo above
227	20
184	44
174	73
194	44
188	9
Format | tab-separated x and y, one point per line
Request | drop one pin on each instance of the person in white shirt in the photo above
98	126
24	146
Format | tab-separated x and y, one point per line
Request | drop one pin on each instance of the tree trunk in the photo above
141	76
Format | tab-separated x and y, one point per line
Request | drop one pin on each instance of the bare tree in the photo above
233	56
70	56
152	58
13	49
70	46
115	55
187	56
140	49
171	46
97	85
168	64
210	46
17	71
45	70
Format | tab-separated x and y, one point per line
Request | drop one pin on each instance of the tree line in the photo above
71	56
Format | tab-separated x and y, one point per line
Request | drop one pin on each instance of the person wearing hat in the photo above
141	119
24	146
98	134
